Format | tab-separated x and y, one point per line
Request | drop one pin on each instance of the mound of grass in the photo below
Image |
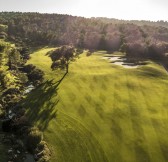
101	112
154	70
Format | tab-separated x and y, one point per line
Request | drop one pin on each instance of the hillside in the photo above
94	114
136	22
137	38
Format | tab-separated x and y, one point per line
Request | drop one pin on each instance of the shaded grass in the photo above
39	104
3	150
102	112
3	154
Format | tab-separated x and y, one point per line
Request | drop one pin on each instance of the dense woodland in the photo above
132	37
21	32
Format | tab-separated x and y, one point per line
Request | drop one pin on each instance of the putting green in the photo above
101	112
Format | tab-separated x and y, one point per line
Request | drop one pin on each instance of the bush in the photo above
22	77
79	51
6	125
2	47
89	53
34	137
12	91
3	35
2	112
35	75
43	152
28	68
3	28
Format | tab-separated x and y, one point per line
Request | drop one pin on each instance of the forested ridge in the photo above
95	33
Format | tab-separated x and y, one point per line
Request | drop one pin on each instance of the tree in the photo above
56	54
36	76
24	52
80	43
102	43
67	52
62	56
28	68
2	46
13	59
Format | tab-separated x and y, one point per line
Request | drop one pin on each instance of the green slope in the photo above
102	112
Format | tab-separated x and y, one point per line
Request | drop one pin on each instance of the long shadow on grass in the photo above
41	103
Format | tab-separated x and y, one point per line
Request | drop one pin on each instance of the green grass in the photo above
102	112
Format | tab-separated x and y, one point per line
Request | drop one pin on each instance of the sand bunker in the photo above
121	61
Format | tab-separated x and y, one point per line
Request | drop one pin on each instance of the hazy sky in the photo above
121	9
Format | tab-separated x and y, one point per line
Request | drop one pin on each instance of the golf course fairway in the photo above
101	112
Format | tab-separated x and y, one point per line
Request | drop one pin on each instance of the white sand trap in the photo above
120	61
126	65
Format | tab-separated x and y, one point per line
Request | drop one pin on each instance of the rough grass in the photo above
102	112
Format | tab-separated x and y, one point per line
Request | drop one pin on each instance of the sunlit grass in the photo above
102	112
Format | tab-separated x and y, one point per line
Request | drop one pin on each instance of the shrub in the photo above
79	51
28	68
2	47
22	77
12	91
43	152
34	137
2	112
3	28
89	53
36	75
6	125
3	35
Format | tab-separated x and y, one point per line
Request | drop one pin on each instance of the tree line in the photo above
136	38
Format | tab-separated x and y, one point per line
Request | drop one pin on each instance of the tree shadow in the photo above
41	103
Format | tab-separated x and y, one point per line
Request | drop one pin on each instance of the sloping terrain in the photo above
101	112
